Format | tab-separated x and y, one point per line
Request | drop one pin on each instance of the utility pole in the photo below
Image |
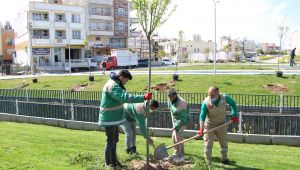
215	43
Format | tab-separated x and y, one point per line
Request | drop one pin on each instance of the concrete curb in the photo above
158	132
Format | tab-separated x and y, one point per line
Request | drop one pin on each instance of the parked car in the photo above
143	63
166	61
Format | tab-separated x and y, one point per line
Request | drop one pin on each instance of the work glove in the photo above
235	120
200	132
148	96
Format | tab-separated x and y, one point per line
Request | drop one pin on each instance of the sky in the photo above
254	19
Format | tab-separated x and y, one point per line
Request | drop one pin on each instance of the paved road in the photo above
168	72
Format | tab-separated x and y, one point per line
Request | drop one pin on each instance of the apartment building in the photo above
1	51
107	24
8	45
53	30
190	47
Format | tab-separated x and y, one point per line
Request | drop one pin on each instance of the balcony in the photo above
40	41
133	20
110	33
40	24
117	45
60	24
98	44
102	17
104	2
134	34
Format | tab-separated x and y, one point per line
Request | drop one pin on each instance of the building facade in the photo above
8	45
107	24
189	47
53	30
1	51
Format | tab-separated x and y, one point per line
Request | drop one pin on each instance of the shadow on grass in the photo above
228	83
232	165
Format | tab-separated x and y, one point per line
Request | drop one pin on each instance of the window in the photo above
121	25
41	34
60	17
75	18
57	55
93	10
9	41
121	11
98	38
93	26
60	34
76	34
39	16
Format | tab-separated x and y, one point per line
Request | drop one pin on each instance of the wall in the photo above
159	132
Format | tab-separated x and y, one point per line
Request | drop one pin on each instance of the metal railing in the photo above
245	102
252	123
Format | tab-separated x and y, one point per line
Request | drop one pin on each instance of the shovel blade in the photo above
160	152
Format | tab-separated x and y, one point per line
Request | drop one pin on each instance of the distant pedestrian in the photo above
292	57
103	64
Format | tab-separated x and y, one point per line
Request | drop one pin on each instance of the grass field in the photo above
238	84
26	146
222	66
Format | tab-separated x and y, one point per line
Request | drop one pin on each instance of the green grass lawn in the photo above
238	84
26	146
222	66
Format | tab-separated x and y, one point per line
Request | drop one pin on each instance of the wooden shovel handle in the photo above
210	130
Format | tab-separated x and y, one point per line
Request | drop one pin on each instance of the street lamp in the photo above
69	37
215	43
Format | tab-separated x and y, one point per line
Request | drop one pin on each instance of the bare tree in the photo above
282	30
151	14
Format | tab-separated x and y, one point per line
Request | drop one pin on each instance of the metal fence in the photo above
252	123
245	102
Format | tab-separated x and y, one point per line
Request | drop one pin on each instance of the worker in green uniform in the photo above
213	113
111	115
179	110
136	112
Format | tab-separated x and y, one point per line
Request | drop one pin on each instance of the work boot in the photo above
110	166
118	164
226	162
133	150
178	159
129	151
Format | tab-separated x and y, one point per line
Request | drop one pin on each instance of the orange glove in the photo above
235	120
148	96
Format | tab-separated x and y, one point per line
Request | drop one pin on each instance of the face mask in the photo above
213	100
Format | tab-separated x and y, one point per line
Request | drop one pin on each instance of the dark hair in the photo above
217	89
154	103
172	92
125	73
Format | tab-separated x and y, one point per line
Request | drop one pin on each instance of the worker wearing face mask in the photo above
213	113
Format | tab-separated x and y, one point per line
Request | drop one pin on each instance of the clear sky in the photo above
254	19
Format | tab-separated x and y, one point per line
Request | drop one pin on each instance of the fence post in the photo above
240	122
17	107
72	111
62	96
281	104
27	96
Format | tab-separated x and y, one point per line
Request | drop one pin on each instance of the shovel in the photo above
161	151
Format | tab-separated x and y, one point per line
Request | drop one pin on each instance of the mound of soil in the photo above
162	86
163	165
278	88
80	87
